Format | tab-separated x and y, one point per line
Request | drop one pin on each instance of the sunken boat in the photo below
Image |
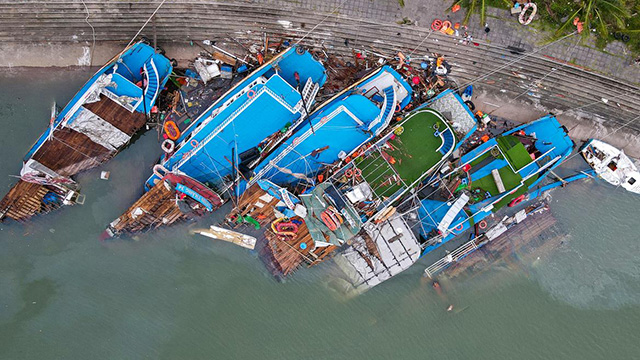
98	122
208	153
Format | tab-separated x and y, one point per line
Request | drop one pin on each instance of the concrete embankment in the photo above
46	33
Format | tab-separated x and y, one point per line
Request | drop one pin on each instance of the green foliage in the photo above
480	6
599	17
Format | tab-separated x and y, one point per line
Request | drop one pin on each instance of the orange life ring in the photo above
172	130
482	225
251	94
517	200
194	142
436	25
459	227
398	108
349	173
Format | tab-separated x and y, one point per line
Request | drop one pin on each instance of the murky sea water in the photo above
171	295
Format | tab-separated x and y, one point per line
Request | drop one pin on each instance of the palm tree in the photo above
599	15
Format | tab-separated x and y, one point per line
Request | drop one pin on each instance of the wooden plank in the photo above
116	115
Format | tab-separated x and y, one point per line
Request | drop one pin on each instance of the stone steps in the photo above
181	21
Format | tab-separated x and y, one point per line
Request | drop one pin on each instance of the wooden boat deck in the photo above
69	152
110	111
158	206
24	200
282	254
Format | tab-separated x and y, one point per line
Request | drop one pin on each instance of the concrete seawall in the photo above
58	33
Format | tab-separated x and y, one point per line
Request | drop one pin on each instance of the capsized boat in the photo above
98	121
612	164
268	102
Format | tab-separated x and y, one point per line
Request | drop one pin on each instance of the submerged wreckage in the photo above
373	164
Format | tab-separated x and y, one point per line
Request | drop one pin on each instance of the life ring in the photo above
436	25
349	173
251	94
157	171
482	225
284	228
459	227
194	142
172	130
168	146
470	105
517	200
331	218
398	108
534	10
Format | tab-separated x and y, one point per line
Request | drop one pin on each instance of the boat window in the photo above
632	181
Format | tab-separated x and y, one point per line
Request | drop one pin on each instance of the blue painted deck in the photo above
340	133
549	134
243	118
129	65
431	212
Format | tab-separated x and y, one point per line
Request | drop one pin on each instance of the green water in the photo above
171	295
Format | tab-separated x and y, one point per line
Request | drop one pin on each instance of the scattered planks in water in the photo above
281	253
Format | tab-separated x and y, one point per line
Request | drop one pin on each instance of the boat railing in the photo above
297	141
454	256
116	99
232	117
152	79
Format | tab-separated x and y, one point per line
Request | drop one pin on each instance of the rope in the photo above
481	77
549	73
323	20
145	23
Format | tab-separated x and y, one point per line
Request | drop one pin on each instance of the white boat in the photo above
611	164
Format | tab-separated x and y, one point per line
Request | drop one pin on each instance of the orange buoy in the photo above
455	8
172	130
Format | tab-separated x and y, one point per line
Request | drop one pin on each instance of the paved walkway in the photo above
615	61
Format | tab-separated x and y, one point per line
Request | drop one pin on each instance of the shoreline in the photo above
582	125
